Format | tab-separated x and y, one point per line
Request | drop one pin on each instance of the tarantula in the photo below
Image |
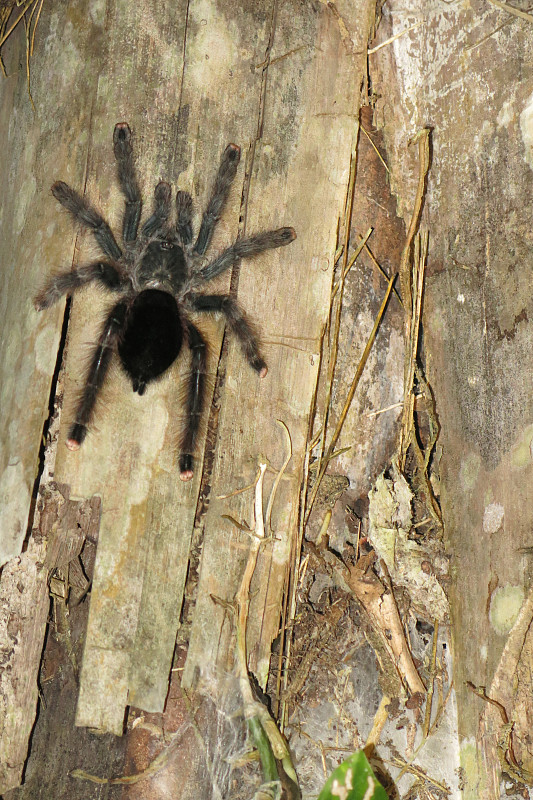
156	275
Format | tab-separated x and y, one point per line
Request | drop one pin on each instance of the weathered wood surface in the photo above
468	72
281	80
308	105
32	151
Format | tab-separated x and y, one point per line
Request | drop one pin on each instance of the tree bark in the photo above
467	73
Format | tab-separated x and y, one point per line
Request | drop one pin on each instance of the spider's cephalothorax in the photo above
156	275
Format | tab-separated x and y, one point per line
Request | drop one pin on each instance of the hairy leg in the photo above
161	213
225	175
87	217
68	282
97	372
184	213
237	322
195	401
128	180
245	248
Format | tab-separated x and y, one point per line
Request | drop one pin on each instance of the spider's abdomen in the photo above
152	337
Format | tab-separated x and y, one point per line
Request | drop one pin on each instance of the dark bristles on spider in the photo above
156	275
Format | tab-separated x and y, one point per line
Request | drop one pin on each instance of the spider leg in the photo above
128	180
245	248
238	324
225	175
184	212
195	401
87	217
162	196
68	282
96	374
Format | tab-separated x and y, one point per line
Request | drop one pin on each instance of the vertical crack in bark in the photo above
53	409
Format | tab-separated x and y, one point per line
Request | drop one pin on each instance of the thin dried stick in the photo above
375	148
279	475
512	10
380	719
335	343
268	739
393	38
350	264
349	398
376	263
429	698
412	341
423	155
12	28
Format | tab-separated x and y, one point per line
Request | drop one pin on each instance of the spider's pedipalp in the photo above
194	402
184	215
96	374
238	324
68	282
88	217
246	248
128	180
225	175
161	213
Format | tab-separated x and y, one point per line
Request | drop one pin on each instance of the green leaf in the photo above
353	780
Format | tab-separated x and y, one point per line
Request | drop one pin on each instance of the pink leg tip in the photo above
72	444
187	475
263	372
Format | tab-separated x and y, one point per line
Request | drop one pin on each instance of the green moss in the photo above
474	781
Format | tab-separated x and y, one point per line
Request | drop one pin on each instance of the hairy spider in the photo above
156	274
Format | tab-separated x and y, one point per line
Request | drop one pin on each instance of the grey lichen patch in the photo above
390	516
469	471
493	517
526	128
505	605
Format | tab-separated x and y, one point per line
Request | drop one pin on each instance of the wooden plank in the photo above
35	145
130	460
29	246
299	163
218	52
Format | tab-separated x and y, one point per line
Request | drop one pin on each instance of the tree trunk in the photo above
467	72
